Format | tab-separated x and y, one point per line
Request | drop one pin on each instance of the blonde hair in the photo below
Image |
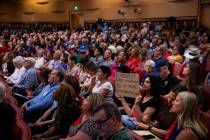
95	100
189	118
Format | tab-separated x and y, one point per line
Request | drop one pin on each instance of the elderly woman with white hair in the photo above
19	70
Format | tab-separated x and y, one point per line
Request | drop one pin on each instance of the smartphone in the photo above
147	137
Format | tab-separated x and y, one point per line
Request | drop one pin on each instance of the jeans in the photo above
129	122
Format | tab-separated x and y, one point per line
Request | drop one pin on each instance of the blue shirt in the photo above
28	79
97	60
44	100
55	65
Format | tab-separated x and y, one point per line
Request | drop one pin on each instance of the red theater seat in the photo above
205	118
24	130
206	92
9	98
177	68
207	64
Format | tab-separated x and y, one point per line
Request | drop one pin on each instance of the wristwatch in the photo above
150	126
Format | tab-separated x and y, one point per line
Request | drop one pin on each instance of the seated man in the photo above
28	80
55	63
167	81
108	117
34	108
19	70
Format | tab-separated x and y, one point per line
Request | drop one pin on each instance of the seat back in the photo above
24	130
207	64
205	118
177	68
206	92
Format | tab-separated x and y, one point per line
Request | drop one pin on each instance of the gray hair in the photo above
2	91
110	109
59	52
40	52
19	59
149	63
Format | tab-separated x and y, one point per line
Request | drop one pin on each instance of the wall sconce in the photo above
42	2
137	10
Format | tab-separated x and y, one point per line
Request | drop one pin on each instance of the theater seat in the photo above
24	130
10	99
207	64
177	67
205	118
206	92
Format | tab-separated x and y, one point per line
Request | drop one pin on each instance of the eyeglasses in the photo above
101	122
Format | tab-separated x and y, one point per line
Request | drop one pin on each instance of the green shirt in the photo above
122	134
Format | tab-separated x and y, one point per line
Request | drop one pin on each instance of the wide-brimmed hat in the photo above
192	52
31	59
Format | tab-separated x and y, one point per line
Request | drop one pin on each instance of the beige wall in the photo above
108	9
90	10
31	11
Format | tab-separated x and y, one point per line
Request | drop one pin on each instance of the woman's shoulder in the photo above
187	133
107	85
89	127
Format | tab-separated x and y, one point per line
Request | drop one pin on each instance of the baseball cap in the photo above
160	63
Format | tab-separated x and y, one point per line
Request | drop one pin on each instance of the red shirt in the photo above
132	63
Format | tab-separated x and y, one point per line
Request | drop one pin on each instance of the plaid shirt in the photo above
28	79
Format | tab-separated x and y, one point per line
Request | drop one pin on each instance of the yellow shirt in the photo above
175	58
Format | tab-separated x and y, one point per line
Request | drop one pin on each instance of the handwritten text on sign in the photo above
127	84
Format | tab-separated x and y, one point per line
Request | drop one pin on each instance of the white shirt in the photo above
39	62
16	76
106	85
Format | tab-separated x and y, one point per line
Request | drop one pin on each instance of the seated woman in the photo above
91	70
67	111
163	120
192	80
188	125
86	128
175	57
145	105
148	68
101	85
72	67
8	67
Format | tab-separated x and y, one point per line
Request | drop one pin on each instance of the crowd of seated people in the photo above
64	81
